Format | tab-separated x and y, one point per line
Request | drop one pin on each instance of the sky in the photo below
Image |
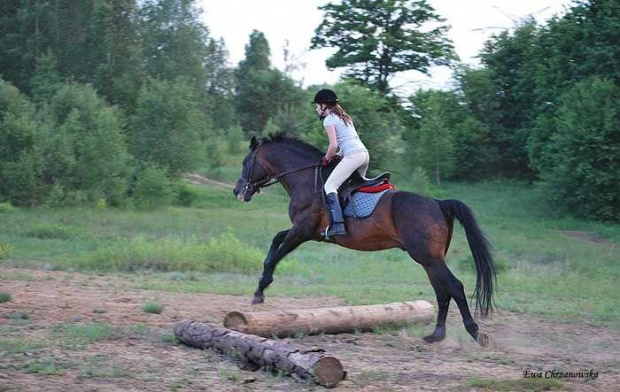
471	21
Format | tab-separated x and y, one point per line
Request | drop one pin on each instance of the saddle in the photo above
357	183
359	195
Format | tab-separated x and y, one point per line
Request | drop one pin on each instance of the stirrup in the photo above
327	235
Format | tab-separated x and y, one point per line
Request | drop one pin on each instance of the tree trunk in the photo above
299	362
329	320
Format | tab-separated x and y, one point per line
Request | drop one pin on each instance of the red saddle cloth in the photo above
376	188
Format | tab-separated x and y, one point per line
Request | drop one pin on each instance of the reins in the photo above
274	179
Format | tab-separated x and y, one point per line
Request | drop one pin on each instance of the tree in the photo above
21	168
174	42
262	92
88	155
376	39
579	164
114	50
431	143
169	130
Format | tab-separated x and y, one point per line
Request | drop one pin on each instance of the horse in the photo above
419	225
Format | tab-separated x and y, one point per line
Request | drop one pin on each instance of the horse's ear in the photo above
253	143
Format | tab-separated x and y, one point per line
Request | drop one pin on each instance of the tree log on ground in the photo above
329	320
301	363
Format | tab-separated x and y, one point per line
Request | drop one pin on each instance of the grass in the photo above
5	297
47	366
518	385
79	336
218	246
153	307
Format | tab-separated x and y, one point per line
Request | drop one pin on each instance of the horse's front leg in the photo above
283	243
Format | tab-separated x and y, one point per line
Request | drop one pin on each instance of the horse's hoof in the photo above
483	339
258	299
433	338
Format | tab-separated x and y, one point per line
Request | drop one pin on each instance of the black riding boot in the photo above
336	226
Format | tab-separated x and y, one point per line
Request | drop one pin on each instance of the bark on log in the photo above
329	320
300	362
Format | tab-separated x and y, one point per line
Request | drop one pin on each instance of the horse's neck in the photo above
296	180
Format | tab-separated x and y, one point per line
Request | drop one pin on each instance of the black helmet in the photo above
325	96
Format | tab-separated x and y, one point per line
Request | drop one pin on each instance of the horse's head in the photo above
252	175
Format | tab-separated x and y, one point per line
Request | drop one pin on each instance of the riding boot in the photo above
336	226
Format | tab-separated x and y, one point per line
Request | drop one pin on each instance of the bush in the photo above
152	307
6	208
5	250
5	297
153	189
186	195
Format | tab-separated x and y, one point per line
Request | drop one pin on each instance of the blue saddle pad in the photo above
362	204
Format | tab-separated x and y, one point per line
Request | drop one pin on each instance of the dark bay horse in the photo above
418	225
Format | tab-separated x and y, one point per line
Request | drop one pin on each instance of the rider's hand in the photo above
324	161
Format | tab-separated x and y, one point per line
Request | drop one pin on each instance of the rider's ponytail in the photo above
339	111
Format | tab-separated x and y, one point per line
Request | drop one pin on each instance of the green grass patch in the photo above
518	385
153	307
78	336
19	346
48	231
99	366
220	253
5	297
47	366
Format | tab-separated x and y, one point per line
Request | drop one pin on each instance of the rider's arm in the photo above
333	142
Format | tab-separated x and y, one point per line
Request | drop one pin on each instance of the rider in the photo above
342	134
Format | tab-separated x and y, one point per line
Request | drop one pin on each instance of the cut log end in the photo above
235	321
328	371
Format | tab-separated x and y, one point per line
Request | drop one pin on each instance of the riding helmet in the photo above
325	96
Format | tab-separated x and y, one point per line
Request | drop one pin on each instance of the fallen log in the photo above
299	362
329	320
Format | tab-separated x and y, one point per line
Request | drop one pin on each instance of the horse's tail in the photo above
480	249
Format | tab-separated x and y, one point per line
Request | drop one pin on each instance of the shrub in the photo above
5	250
5	297
152	307
5	208
186	194
153	189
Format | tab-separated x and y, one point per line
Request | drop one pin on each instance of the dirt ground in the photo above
37	354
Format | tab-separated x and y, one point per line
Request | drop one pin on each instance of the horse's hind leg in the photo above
443	303
440	275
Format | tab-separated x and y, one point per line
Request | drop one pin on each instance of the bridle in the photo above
269	179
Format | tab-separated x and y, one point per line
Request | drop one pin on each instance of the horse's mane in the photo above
283	137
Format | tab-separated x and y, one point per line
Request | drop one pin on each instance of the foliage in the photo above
5	297
186	195
432	143
262	92
168	128
221	253
153	189
20	167
579	163
152	307
5	250
376	39
95	133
